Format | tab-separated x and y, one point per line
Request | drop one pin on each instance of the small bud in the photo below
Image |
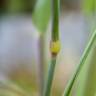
55	47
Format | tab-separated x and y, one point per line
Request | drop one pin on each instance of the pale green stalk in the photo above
40	17
50	77
55	37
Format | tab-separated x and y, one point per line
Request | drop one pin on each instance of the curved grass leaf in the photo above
41	14
68	89
88	75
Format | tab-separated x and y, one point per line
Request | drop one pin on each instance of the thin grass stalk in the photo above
55	23
50	77
81	64
40	17
41	65
54	46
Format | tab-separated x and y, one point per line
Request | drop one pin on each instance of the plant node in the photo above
55	47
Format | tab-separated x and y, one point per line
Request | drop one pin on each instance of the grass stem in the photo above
54	46
50	77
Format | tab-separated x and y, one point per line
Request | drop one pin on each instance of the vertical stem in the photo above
50	77
55	23
41	65
55	38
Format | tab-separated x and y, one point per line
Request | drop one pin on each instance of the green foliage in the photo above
19	6
89	6
88	74
41	14
15	6
48	85
85	72
86	58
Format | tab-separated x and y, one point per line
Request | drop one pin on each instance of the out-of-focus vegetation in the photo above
84	74
75	26
17	6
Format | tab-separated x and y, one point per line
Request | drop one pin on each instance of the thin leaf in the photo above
81	64
88	74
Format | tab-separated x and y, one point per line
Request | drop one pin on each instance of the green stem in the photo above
55	23
42	62
81	64
50	77
55	37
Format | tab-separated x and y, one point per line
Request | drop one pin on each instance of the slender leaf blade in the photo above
88	74
80	66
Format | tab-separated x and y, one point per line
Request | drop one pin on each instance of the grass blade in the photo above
89	6
88	86
81	64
